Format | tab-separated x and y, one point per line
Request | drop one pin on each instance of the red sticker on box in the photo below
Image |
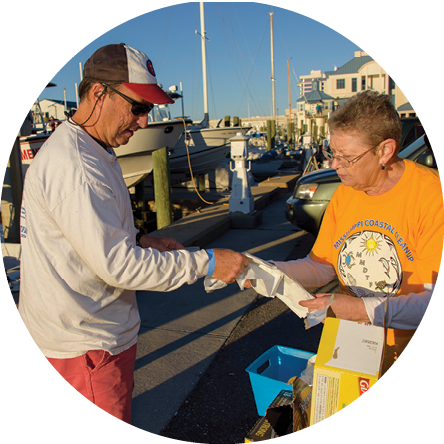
364	385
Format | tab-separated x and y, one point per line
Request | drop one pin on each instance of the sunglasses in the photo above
137	108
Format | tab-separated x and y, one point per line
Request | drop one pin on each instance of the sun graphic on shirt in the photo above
371	245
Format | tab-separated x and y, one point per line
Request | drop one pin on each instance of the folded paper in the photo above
268	280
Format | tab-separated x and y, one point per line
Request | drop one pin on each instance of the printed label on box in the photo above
327	396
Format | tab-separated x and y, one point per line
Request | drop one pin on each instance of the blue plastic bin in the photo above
270	373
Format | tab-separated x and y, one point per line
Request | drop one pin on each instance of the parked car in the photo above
313	192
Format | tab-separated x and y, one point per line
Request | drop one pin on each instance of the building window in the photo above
340	84
363	84
354	85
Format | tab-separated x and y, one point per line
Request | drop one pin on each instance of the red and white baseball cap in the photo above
132	68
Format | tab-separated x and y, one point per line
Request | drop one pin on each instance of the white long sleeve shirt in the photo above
80	266
403	312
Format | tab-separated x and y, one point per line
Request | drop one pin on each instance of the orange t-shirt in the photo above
387	245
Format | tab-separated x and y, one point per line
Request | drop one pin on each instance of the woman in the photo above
382	233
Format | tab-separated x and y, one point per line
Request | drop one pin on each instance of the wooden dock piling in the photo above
162	187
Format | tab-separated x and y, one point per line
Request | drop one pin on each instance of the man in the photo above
81	264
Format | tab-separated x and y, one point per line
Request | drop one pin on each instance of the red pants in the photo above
106	380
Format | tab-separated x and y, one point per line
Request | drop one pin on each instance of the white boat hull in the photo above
207	148
29	147
134	158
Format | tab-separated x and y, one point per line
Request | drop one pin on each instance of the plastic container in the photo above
270	373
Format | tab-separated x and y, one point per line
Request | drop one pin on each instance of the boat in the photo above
134	158
207	147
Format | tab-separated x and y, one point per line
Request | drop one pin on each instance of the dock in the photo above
184	330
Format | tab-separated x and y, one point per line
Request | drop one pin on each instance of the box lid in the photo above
349	346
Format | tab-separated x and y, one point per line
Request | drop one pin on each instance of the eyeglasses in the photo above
137	108
343	161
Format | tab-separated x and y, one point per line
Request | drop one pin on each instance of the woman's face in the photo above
364	172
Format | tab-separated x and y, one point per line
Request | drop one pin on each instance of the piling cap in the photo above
133	68
238	138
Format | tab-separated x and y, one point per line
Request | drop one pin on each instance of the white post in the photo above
77	95
181	93
241	199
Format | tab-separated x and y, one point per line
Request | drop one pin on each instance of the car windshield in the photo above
414	150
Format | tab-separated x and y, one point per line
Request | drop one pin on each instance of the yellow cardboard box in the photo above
348	363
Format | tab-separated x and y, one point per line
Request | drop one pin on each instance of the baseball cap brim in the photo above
150	92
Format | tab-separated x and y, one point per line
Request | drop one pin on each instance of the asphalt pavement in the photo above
193	348
190	377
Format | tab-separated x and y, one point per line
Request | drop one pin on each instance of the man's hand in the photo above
229	265
343	306
161	244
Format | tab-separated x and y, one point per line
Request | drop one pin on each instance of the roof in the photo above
69	104
405	107
315	96
351	67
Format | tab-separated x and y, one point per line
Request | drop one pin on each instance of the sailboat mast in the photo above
289	92
272	65
204	61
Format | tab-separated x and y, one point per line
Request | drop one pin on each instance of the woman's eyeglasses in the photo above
343	161
137	108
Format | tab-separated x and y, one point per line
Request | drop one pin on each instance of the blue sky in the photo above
238	53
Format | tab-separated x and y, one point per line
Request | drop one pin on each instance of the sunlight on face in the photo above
361	175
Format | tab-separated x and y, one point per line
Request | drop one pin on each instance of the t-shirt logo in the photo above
368	265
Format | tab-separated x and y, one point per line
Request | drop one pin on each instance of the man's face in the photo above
117	123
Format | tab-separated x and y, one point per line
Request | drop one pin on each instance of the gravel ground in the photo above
221	408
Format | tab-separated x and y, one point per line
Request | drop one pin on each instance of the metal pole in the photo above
204	60
181	93
77	95
64	98
81	71
289	92
272	64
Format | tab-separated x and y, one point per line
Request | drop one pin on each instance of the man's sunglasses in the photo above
137	108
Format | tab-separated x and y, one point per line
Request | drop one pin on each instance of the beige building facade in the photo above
321	93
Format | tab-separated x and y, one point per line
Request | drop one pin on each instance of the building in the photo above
334	88
306	82
359	74
52	108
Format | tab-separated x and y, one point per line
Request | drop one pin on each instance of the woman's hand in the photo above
343	306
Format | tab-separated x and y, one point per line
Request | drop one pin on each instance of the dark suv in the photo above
313	192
